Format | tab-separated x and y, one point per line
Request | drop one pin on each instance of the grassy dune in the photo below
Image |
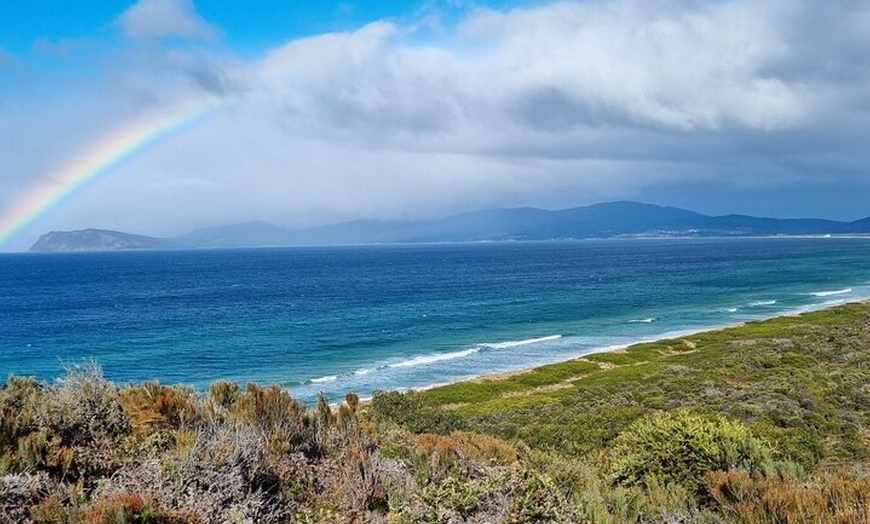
763	423
801	381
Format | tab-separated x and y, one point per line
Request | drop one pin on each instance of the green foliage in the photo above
19	399
486	390
797	381
538	498
461	496
411	411
680	447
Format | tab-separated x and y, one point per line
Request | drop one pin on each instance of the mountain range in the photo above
607	220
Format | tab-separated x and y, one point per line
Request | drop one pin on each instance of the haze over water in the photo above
383	317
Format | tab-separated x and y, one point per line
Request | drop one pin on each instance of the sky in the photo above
162	116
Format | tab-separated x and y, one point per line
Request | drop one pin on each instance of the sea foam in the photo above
517	343
431	359
831	293
761	303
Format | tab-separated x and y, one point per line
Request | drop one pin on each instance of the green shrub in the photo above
20	398
681	446
538	499
411	411
461	496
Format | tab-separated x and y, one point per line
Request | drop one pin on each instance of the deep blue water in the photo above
379	317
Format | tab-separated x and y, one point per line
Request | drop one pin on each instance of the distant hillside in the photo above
97	240
609	220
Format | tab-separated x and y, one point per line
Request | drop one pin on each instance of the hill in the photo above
97	240
608	220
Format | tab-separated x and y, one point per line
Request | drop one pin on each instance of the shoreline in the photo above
496	376
504	375
616	348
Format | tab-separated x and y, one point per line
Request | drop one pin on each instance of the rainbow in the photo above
98	159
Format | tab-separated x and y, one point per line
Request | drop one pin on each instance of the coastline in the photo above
490	311
675	335
793	384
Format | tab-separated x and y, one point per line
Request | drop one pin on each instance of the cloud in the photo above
740	106
363	86
158	19
623	80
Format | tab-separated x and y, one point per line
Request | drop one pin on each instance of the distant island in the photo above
607	220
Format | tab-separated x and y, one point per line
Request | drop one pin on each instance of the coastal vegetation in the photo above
768	422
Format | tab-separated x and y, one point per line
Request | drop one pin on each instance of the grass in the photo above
799	380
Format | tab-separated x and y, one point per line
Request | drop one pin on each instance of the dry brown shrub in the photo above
224	393
151	407
221	476
76	425
269	408
84	407
123	508
833	498
49	511
464	450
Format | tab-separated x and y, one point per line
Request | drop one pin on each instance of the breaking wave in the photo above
831	293
761	303
431	359
517	343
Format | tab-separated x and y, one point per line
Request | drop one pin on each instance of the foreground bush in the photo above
839	498
411	411
680	447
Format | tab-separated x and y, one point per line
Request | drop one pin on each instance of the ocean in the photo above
367	318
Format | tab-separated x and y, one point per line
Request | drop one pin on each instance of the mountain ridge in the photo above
604	220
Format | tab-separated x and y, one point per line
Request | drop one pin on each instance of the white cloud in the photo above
626	81
558	74
157	19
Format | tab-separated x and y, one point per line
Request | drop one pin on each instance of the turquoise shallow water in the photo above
382	317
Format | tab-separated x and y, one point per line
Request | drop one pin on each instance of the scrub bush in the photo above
680	447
